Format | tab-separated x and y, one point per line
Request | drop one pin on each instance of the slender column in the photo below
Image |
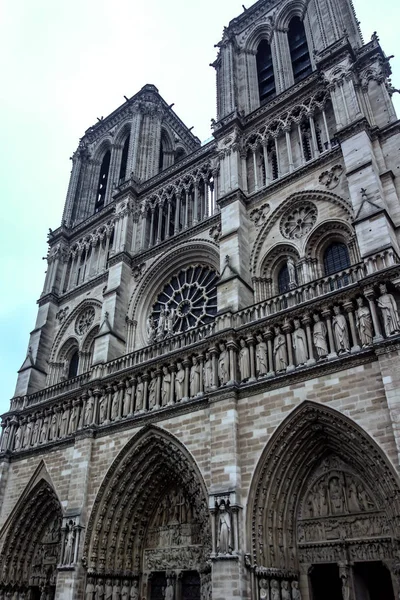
303	159
172	370
313	136
158	389
205	210
196	201
250	343
268	175
168	220
133	382
289	150
201	361
152	228
326	313
307	324
269	336
329	146
289	343
186	365
106	249
344	101
244	172
160	213
255	170
348	306
144	227
232	348
278	161
187	209
177	212
369	294
214	356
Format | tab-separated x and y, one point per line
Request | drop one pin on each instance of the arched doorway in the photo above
149	533
323	511
32	546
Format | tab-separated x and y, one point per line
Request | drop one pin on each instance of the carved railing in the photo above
333	327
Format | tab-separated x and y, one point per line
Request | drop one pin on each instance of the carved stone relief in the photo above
84	320
259	215
331	178
298	221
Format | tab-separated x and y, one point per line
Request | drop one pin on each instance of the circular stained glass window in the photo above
188	300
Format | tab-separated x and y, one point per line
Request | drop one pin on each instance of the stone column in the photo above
348	306
369	294
326	313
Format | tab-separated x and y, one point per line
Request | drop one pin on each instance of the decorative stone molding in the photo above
331	179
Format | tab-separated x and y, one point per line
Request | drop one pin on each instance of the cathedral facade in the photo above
209	407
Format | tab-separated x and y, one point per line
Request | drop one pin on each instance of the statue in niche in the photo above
170	321
169	590
134	594
275	591
152	390
223	365
64	421
340	331
27	434
6	435
103	408
336	496
35	433
115	403
166	387
244	361
291	272
90	589
108	590
72	419
208	372
116	595
352	498
296	595
388	306
319	335
194	377
224	542
125	591
261	357
264	589
126	403
299	344
99	591
285	595
344	576
44	430
161	325
280	350
179	382
139	394
89	410
17	440
150	330
364	323
70	535
363	498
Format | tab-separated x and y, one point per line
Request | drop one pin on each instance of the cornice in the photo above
84	287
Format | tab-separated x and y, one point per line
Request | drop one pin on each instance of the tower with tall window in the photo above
208	407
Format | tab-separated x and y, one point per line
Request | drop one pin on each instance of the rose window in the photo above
187	301
299	221
84	321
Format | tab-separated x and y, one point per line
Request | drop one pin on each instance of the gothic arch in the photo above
275	260
260	32
32	530
311	434
296	8
195	251
101	148
326	233
128	499
292	201
123	131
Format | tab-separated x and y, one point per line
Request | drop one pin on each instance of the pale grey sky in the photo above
63	64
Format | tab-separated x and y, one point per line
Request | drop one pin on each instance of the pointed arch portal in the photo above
324	511
150	525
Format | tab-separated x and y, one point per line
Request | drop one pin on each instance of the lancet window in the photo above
124	159
73	365
265	72
336	258
299	54
103	180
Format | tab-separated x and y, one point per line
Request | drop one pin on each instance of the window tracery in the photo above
84	320
299	221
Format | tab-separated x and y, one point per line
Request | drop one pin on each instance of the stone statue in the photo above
194	378
261	357
89	409
139	394
280	350
125	591
72	420
108	590
388	306
115	403
103	408
35	433
296	595
27	434
64	422
340	331
126	403
89	591
161	325
275	592
208	372
285	591
291	272
364	323
223	365
69	543
150	330
344	576
152	390
352	498
179	382
170	321
99	592
264	589
54	426
169	590
134	595
166	387
224	543
18	438
244	361
336	496
116	595
319	335
45	429
5	436
299	344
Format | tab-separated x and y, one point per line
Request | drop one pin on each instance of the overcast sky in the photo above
62	65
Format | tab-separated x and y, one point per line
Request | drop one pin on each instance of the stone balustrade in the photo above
183	369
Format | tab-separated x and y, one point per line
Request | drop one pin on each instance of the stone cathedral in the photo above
209	407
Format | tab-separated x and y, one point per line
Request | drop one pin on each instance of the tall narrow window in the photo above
265	72
103	179
299	53
73	365
124	160
283	280
336	258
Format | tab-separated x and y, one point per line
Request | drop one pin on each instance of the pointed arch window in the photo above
336	258
103	180
124	160
73	365
298	47
265	71
283	280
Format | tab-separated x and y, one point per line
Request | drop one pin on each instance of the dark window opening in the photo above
124	160
103	179
179	154
283	280
298	47
265	71
306	141
336	258
73	365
